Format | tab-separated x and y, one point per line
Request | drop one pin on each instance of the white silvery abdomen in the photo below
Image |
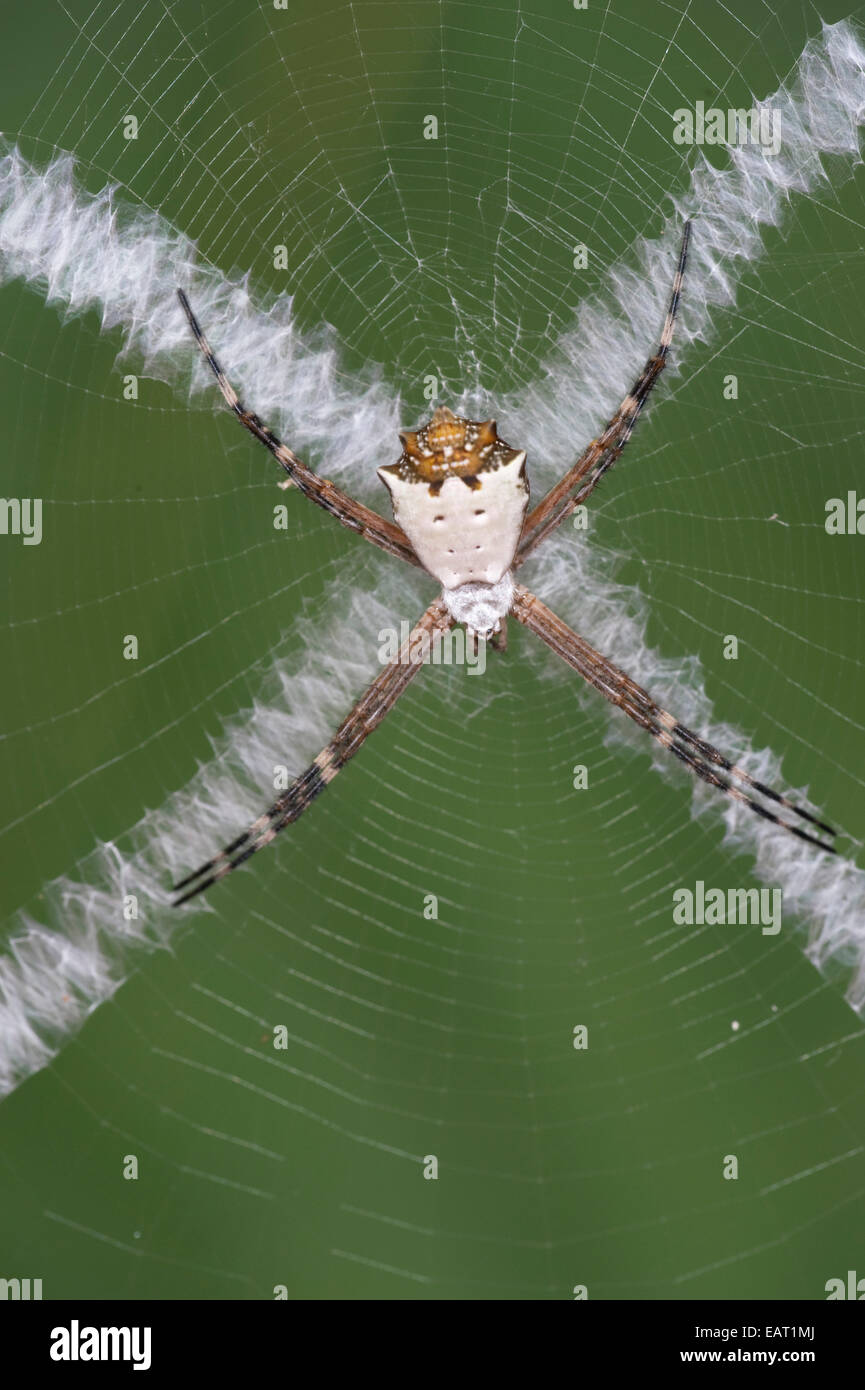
463	533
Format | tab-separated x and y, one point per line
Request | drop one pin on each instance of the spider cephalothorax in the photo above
459	497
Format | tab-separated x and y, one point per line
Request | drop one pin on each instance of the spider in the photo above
459	495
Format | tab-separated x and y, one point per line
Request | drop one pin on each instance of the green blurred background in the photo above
412	1037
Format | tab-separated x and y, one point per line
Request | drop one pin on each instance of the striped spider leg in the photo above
366	715
602	453
702	759
347	511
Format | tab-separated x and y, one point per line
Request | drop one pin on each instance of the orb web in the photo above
372	210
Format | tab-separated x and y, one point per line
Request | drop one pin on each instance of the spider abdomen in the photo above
460	494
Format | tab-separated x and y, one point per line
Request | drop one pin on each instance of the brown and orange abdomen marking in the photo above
450	446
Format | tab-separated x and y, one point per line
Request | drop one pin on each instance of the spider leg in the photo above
367	523
602	453
701	757
366	716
